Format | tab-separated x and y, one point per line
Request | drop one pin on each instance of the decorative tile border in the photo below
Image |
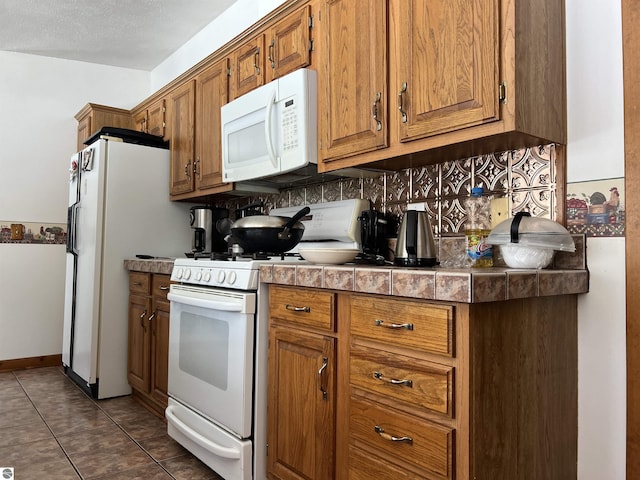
31	232
596	209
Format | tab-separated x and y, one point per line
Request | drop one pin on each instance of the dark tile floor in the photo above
49	429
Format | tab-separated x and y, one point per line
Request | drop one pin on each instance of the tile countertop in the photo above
154	265
464	285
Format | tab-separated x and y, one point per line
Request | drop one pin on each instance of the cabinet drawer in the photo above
139	282
311	308
402	439
417	382
364	466
404	323
160	285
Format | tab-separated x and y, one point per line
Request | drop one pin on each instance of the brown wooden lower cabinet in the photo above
423	389
149	339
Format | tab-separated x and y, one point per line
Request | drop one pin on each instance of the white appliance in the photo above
271	130
218	343
118	207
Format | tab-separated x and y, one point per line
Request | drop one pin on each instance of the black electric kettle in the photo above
415	246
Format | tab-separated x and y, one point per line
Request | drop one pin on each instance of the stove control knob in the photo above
220	277
231	279
207	276
187	273
198	276
179	273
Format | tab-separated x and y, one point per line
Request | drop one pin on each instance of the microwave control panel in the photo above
289	125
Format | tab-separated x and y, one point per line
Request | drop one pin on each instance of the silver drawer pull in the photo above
407	326
297	309
137	284
164	287
393	381
380	431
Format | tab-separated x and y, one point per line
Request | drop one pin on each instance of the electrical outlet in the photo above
419	206
499	210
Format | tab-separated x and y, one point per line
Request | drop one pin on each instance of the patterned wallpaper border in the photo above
33	232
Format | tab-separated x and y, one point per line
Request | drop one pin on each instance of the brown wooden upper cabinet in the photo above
181	138
212	87
247	67
151	119
459	81
288	44
352	78
93	117
196	133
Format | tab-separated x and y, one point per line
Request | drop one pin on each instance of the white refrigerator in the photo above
118	208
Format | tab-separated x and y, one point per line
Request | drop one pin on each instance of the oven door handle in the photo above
225	306
204	442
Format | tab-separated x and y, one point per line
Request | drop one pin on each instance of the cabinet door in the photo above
289	44
212	88
352	78
247	67
139	342
447	75
156	118
301	405
160	351
140	121
84	131
181	108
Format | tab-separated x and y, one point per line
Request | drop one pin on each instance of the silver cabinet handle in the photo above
293	308
187	172
323	388
255	61
142	315
152	316
393	381
403	112
407	326
137	284
164	287
270	56
374	111
392	438
196	172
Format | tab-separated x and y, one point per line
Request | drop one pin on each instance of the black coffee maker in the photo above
374	234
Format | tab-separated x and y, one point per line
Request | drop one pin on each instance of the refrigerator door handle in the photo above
72	214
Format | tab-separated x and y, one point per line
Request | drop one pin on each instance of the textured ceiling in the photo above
136	34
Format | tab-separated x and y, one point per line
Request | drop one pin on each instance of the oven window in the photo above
204	348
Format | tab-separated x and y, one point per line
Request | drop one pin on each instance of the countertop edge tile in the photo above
153	265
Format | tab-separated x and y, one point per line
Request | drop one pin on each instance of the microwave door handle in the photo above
267	128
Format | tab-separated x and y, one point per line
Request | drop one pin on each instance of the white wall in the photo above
233	21
596	151
39	97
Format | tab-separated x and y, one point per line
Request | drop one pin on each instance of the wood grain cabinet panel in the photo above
288	44
212	87
311	308
448	74
148	357
247	67
407	324
301	405
352	78
399	378
181	144
408	443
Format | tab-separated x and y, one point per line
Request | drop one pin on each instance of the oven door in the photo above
211	339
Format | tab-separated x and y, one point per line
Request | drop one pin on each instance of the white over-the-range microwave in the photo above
271	130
